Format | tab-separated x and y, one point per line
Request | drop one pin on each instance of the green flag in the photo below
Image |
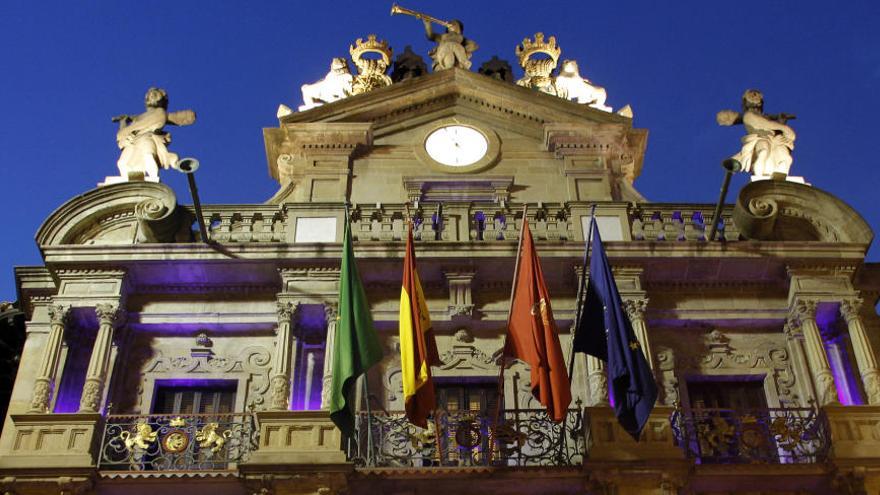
356	347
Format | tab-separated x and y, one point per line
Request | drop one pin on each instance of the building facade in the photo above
157	359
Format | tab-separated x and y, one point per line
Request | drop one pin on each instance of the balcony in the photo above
468	438
767	436
183	443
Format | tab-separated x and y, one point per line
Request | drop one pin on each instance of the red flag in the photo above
532	334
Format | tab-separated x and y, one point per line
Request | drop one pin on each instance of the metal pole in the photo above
730	166
494	423
582	287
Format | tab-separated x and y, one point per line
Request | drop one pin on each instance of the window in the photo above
728	394
475	397
210	398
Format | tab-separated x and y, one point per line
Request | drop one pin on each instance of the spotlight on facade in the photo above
189	166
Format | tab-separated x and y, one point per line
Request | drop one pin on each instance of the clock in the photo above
456	145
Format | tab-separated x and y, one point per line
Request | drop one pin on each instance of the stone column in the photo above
44	384
598	381
96	374
332	315
635	309
864	353
284	345
804	314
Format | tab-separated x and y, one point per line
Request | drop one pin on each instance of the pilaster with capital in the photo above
803	314
96	374
331	312
285	342
44	384
598	379
864	352
794	342
635	309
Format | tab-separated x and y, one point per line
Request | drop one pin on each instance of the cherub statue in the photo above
336	85
453	49
143	140
766	149
572	86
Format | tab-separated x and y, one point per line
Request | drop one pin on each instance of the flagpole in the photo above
409	225
582	288
507	327
363	378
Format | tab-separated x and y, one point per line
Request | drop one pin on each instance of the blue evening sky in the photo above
67	67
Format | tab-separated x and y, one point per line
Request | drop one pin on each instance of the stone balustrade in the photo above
462	222
671	222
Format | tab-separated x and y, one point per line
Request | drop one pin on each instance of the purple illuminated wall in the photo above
311	330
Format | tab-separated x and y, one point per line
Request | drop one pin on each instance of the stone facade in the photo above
129	305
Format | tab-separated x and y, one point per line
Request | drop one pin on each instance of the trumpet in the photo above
397	9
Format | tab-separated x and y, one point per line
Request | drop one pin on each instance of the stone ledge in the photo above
52	441
611	443
297	438
855	432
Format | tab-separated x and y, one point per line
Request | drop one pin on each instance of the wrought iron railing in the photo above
767	436
520	438
197	442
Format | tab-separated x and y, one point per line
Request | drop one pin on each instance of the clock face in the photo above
456	145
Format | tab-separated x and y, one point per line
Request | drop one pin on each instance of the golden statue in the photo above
371	71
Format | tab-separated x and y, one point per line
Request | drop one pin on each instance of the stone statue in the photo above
143	140
497	69
766	148
571	86
336	85
453	49
408	65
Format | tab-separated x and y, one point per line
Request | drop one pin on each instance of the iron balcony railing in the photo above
469	438
195	442
765	436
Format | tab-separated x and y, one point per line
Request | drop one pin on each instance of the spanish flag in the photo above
532	333
418	349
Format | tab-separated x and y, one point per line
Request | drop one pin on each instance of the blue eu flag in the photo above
604	331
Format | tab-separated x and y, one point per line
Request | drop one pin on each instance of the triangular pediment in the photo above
597	153
393	104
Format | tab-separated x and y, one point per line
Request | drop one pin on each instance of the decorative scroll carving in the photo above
158	218
774	210
669	380
253	361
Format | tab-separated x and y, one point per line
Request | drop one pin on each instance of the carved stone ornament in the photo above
668	378
280	392
286	311
538	70
635	308
58	314
336	85
371	71
804	309
252	364
42	393
850	308
91	395
144	141
108	313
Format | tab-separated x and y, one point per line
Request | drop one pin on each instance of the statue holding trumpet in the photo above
453	49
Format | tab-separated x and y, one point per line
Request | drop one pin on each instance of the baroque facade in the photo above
158	359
